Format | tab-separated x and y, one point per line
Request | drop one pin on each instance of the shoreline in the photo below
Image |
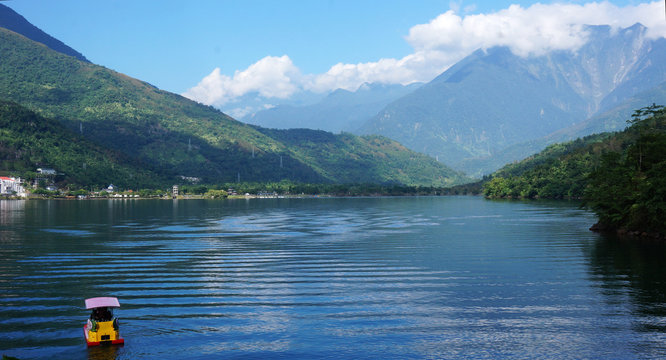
628	234
231	197
248	196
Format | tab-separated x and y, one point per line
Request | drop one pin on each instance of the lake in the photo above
329	278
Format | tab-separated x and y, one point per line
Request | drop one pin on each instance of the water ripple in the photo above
349	278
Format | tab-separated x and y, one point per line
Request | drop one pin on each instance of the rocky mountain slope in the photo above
494	100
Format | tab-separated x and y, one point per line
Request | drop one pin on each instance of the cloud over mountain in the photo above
535	30
437	45
271	77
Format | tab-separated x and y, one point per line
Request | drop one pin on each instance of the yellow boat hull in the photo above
102	332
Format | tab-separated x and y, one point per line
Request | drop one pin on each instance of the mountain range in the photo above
341	110
495	107
165	136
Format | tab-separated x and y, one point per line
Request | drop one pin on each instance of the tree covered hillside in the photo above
355	159
28	141
171	135
165	131
621	176
558	172
628	188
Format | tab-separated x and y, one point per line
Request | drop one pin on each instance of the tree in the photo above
646	112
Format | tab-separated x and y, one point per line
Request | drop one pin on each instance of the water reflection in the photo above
104	352
11	211
632	270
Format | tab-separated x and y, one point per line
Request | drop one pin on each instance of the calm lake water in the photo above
360	278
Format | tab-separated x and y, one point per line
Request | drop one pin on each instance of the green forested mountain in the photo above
170	135
628	188
354	159
621	176
28	140
563	170
559	171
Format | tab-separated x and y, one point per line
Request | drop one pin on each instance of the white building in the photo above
46	171
11	186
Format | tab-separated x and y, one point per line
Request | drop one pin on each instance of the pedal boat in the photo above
102	326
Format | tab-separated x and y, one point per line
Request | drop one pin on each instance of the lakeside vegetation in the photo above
620	176
283	188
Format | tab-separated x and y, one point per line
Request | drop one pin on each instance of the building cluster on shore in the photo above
43	185
11	186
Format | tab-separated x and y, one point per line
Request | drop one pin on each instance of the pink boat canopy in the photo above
102	302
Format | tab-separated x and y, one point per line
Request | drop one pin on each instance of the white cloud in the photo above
351	76
535	30
437	45
241	112
271	77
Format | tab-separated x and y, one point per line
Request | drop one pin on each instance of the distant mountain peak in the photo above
339	110
494	98
11	20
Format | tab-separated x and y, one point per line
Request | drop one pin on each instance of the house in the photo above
11	186
111	188
46	171
191	179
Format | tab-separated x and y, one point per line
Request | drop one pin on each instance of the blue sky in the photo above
175	45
